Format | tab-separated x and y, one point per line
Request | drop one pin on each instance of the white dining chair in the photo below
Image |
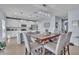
66	48
33	47
58	48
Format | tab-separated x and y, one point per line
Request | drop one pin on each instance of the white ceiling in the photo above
31	11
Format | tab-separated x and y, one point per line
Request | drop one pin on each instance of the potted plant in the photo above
2	45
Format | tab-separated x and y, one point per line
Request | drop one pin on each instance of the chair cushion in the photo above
50	46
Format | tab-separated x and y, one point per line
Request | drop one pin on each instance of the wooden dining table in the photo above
43	38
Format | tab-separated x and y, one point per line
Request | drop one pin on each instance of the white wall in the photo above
59	21
2	26
41	27
73	15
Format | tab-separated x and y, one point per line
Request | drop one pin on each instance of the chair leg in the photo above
25	51
68	49
43	51
61	52
29	53
64	51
